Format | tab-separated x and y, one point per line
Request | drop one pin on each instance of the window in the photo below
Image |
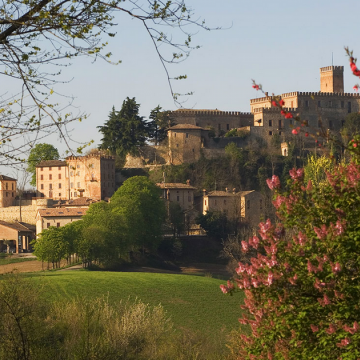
12	194
290	122
60	195
270	132
12	186
270	122
306	123
307	105
193	150
342	104
174	134
6	186
48	225
50	177
178	198
57	224
50	168
59	168
7	194
42	186
75	194
177	145
71	185
71	173
78	173
78	185
41	177
41	169
349	107
319	103
187	135
78	166
50	186
279	132
342	123
227	126
224	202
59	185
261	204
59	176
248	204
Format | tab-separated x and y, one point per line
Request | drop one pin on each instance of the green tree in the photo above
37	154
143	212
351	126
125	131
176	218
159	122
215	223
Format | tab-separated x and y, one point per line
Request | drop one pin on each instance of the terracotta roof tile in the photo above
16	226
174	186
4	177
62	212
221	193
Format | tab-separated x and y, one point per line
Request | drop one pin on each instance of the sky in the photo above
280	44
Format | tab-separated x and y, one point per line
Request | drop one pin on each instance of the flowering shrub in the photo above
303	287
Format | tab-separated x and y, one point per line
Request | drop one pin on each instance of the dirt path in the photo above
26	266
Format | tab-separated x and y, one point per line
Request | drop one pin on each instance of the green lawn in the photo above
193	302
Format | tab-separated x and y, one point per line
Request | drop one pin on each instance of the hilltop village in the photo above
66	189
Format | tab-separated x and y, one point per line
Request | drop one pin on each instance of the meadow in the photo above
193	303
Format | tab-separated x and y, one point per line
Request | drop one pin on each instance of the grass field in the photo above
192	302
5	260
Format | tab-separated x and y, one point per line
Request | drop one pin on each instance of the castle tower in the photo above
332	79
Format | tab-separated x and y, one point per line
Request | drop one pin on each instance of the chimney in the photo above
204	192
234	190
226	190
266	94
188	182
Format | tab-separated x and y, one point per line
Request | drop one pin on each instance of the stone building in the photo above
247	205
91	176
57	217
183	194
19	236
7	190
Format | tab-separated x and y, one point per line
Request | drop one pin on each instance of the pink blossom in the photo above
331	329
270	356
321	233
270	278
255	283
273	183
319	285
224	289
311	268
293	279
314	328
294	132
255	241
279	200
335	267
326	300
339	228
296	174
245	246
309	186
344	342
302	238
240	269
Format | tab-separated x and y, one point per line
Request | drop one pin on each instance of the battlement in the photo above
290	94
273	110
328	94
211	112
257	100
97	156
332	68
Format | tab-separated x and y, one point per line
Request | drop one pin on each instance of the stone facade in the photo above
247	205
90	176
183	194
7	191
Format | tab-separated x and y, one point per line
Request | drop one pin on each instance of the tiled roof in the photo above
4	177
81	201
48	163
221	193
174	186
185	127
62	212
243	193
16	226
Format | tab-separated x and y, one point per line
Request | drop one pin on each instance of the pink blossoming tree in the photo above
303	286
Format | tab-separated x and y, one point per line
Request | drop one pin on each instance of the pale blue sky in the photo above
281	44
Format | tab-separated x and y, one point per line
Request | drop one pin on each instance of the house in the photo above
183	194
18	234
57	217
7	190
91	176
247	205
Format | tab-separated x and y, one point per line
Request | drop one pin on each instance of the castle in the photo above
325	110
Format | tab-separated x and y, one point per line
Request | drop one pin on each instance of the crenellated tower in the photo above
332	79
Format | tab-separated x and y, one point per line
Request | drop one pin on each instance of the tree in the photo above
125	131
37	36
143	212
302	287
39	153
159	122
215	223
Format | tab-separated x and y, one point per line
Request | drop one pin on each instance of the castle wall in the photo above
12	213
220	121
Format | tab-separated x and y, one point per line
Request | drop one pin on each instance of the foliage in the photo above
125	131
142	210
215	223
302	288
176	218
37	154
37	38
351	126
159	122
316	169
242	134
